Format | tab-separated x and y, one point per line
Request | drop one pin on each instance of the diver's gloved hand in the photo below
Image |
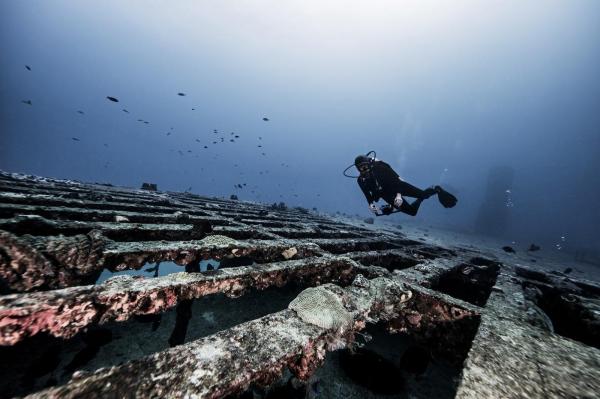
398	201
374	208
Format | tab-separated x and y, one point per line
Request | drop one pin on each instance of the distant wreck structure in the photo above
214	298
494	213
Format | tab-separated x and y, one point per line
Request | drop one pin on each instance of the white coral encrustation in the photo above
322	308
218	240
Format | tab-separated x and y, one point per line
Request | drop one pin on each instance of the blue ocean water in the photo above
496	101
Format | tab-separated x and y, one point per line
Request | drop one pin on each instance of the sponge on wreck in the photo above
322	308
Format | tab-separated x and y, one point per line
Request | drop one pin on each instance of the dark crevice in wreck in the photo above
469	282
570	314
356	246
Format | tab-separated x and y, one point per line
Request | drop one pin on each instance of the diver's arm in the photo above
368	195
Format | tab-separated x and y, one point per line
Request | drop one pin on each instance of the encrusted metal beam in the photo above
319	320
63	313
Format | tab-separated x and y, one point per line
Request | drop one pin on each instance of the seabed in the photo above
107	292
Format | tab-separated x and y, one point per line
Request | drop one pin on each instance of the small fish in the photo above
113	99
124	110
260	138
169	133
232	140
197	140
236	136
28	102
205	146
75	139
146	122
214	142
180	152
181	94
193	109
28	67
81	112
266	119
259	146
140	120
189	150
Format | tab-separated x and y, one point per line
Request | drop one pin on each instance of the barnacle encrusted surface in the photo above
218	240
322	308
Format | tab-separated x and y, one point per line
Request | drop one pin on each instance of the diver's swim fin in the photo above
446	199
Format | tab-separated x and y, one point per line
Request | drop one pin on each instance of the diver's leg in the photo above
408	190
411	209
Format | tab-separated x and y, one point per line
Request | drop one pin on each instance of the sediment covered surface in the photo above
503	329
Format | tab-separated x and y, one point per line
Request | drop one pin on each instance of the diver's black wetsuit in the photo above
382	182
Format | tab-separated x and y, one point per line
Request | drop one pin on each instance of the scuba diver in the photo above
378	180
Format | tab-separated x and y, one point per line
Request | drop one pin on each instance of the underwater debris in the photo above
28	102
369	220
124	110
508	249
568	270
279	206
121	219
233	197
113	99
149	186
533	248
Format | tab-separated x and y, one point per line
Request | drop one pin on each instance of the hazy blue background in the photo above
442	90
